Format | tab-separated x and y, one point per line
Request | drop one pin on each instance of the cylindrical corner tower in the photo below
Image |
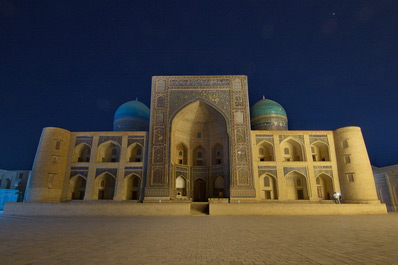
48	171
355	172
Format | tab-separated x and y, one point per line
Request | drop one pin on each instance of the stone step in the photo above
199	208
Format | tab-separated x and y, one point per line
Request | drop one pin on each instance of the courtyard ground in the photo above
361	239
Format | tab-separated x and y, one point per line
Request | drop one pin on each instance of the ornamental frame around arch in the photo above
73	179
101	145
80	150
105	172
130	149
264	141
322	143
225	116
296	140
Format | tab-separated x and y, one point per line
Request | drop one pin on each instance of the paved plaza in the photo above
370	239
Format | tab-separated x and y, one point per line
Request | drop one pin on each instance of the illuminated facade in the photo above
200	142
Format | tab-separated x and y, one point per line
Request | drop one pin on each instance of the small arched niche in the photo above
108	152
134	153
82	153
292	150
182	154
217	154
199	156
181	187
218	190
320	151
265	152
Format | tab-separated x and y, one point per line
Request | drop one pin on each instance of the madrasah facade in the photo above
201	142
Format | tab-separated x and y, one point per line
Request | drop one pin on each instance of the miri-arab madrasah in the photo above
200	141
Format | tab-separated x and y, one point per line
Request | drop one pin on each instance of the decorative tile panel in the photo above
112	171
117	139
299	138
84	139
287	170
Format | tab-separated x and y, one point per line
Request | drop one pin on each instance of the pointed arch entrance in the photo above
199	149
296	186
77	187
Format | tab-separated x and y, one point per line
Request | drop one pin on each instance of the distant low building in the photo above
386	179
12	185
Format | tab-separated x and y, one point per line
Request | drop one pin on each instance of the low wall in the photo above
96	208
295	209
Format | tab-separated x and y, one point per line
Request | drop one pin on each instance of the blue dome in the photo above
268	115
132	116
266	106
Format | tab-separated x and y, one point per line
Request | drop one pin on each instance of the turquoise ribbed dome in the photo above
268	115
266	106
132	116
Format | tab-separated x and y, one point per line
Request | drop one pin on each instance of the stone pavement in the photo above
370	239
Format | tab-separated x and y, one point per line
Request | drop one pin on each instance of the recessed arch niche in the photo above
199	138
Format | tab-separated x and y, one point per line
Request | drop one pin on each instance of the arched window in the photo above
181	158
217	154
286	151
114	151
266	182
199	155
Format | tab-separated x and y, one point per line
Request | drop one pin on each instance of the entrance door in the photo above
199	190
300	195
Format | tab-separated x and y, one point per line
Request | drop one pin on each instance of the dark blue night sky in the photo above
70	64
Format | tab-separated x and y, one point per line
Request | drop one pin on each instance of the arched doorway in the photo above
132	186
105	187
269	187
296	186
199	191
77	187
324	187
